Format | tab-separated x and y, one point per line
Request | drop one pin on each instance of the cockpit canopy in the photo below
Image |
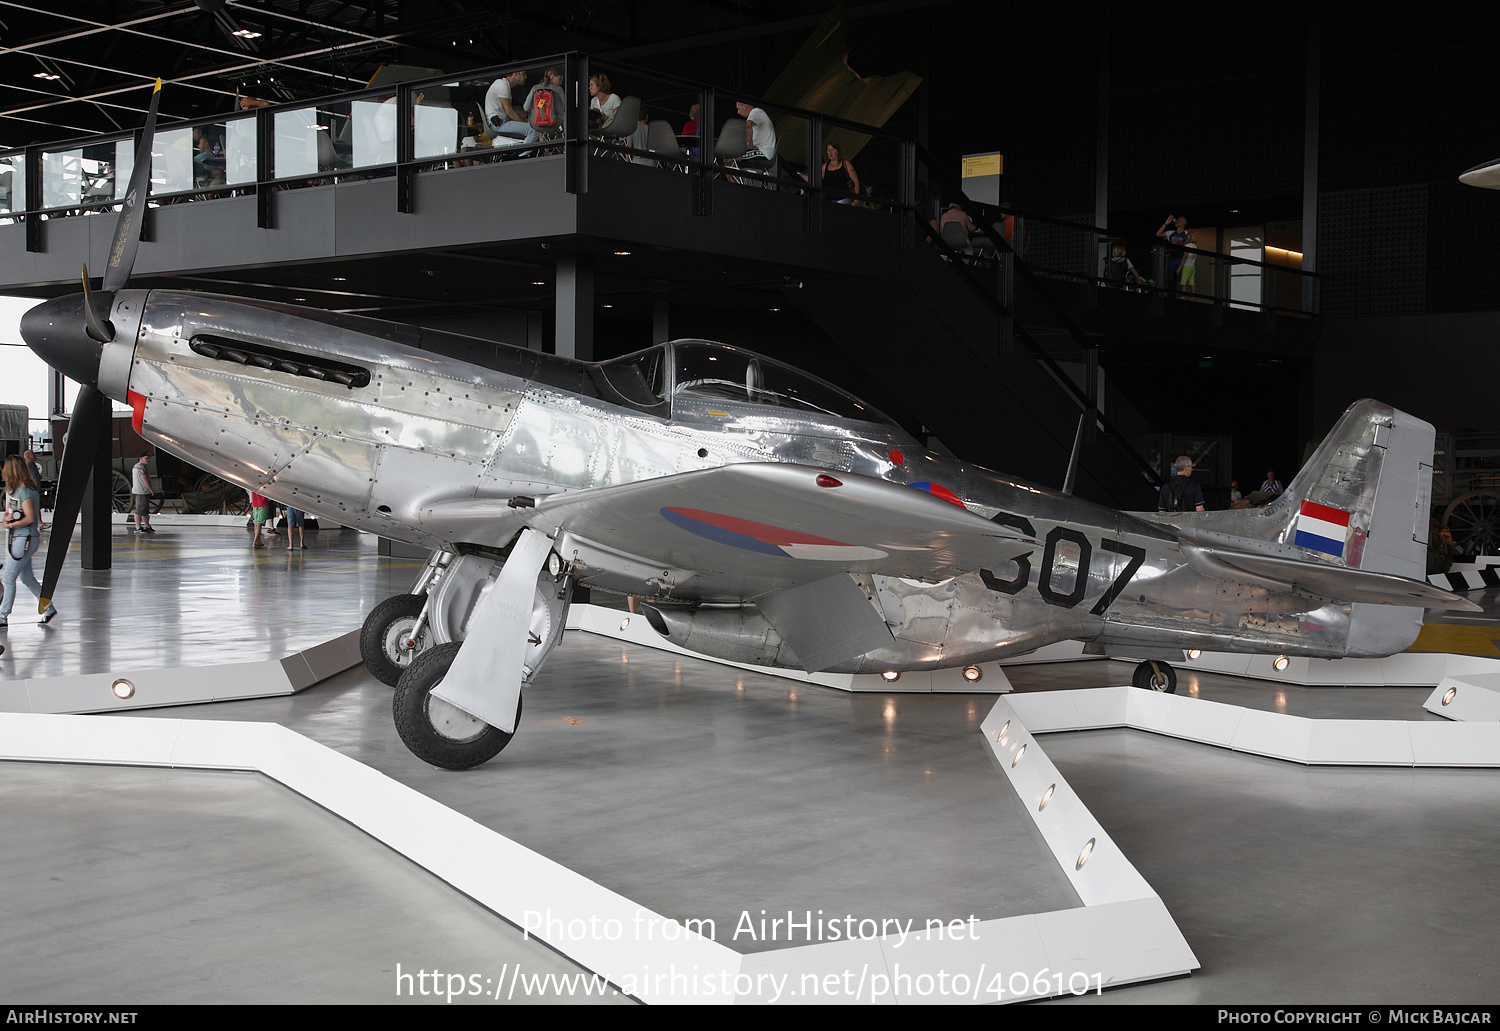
702	370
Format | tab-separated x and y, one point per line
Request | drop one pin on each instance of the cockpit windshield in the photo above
640	378
722	373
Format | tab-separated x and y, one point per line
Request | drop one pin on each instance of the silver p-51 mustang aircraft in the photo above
763	515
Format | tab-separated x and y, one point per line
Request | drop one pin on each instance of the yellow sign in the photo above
977	165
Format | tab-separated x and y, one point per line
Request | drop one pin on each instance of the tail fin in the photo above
1363	499
1362	502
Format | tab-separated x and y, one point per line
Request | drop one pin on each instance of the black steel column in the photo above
576	157
575	307
1101	152
98	496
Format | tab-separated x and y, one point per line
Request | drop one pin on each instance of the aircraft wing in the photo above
1336	583
768	527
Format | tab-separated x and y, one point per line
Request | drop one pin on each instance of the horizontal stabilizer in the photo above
1318	579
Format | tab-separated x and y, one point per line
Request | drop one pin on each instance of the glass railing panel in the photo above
434	130
241	161
172	161
876	163
62	178
12	184
295	143
449	118
372	132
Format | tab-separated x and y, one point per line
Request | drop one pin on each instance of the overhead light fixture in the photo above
537	282
246	34
339	279
1281	663
972	673
1083	857
1046	797
122	688
622	254
45	75
890	676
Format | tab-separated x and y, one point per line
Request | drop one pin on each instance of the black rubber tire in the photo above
1163	678
409	706
382	666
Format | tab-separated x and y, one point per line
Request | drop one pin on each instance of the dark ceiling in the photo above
79	67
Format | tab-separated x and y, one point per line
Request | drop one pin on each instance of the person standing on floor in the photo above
140	493
295	518
260	511
1173	231
23	501
1180	493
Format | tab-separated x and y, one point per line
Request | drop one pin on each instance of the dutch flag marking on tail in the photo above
1320	528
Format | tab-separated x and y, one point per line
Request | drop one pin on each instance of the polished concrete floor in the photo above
703	792
148	886
197	596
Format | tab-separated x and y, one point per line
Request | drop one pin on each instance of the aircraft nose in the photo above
57	332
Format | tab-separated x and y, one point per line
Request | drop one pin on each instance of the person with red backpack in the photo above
544	106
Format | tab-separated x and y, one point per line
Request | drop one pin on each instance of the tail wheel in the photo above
1155	675
436	732
387	643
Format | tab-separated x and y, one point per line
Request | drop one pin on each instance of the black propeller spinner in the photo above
69	334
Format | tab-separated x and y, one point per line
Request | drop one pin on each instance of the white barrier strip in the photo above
182	685
1313	742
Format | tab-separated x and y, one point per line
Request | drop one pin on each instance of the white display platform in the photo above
1122	934
182	685
634	629
1473	699
1313	742
1404	669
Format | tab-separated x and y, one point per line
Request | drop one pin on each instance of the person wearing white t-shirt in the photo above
760	134
501	113
602	100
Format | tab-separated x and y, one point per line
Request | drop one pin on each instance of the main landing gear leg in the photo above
1155	675
458	704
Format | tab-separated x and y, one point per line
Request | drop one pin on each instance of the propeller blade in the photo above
101	330
90	418
128	232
